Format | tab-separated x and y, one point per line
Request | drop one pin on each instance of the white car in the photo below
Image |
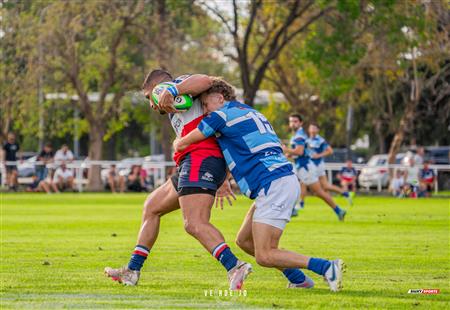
376	171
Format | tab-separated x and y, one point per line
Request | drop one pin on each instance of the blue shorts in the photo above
199	174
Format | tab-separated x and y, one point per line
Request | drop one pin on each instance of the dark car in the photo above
440	155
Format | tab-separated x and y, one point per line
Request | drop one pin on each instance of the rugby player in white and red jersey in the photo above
201	170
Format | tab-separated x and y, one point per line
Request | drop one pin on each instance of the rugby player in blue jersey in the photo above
319	149
255	158
305	168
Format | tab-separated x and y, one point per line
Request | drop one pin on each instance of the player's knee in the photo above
192	228
243	243
264	259
151	208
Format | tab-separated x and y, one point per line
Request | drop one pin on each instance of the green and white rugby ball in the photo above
181	102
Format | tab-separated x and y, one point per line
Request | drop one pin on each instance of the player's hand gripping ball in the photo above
181	102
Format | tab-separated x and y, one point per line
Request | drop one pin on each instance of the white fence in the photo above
159	170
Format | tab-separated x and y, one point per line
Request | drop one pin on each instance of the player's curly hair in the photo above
219	85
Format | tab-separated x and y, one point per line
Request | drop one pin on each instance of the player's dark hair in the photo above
315	124
155	74
297	116
220	86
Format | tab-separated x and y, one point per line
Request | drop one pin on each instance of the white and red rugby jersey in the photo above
183	123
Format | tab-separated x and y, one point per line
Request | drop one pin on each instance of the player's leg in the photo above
122	183
303	194
196	210
318	191
111	183
268	255
344	185
161	201
244	239
70	183
267	228
329	187
200	177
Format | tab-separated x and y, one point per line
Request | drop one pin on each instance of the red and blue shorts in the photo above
199	174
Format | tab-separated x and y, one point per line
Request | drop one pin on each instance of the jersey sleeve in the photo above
180	79
299	140
212	123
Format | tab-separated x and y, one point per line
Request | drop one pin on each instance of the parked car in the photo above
440	155
340	156
377	171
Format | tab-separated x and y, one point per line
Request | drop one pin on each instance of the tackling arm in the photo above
193	137
193	85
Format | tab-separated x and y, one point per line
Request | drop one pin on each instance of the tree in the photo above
270	27
90	47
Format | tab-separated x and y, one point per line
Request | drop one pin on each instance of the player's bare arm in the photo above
328	151
193	85
297	151
194	136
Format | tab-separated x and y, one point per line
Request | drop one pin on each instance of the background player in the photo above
254	157
305	167
318	149
348	175
427	179
201	170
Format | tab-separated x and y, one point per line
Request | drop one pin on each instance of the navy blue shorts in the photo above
198	174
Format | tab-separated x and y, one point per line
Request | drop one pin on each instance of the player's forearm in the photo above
298	151
193	137
195	84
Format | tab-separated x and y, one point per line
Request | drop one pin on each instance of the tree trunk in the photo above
249	95
403	128
380	136
95	153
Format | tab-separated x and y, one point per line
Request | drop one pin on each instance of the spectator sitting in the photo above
136	180
397	184
411	179
347	175
10	148
46	157
64	154
35	186
63	179
426	180
115	180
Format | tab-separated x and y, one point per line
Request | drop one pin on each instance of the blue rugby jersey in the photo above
316	145
249	144
299	138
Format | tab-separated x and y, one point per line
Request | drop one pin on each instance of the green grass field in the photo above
54	249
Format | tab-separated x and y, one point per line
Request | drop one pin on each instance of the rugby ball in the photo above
181	102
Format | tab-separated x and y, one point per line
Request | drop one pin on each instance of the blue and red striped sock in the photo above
138	257
224	255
